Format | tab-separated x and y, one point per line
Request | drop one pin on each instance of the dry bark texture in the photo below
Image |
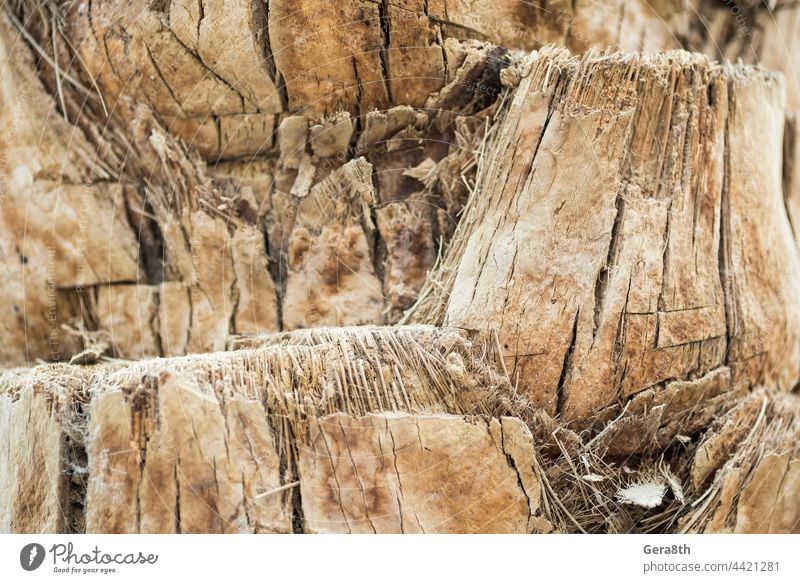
369	430
409	86
644	261
273	111
338	225
218	443
44	467
609	240
762	33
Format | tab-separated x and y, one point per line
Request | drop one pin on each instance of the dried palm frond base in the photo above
406	429
616	277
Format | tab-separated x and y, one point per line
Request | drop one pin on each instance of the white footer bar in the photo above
404	558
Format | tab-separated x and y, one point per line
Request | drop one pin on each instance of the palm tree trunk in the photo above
592	253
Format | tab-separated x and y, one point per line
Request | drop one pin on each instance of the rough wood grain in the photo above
614	272
42	434
413	473
614	238
181	460
197	244
369	430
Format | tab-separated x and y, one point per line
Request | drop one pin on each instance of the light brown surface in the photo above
43	471
612	235
180	460
366	430
417	474
620	240
221	249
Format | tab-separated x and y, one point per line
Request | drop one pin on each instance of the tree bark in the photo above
620	240
593	253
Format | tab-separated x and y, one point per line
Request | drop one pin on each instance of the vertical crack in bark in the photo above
218	128
513	465
559	87
383	12
618	349
789	171
662	306
178	529
201	15
190	302
261	15
273	270
561	395
298	520
280	268
77	469
724	231
378	248
601	283
155	323
148	235
400	494
141	439
358	477
234	291
245	506
359	88
336	494
286	446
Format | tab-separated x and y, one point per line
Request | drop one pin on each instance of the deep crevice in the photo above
273	269
601	283
148	235
724	230
383	12
378	249
561	396
261	15
76	473
513	465
789	148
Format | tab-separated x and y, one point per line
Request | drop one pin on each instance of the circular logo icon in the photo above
31	556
